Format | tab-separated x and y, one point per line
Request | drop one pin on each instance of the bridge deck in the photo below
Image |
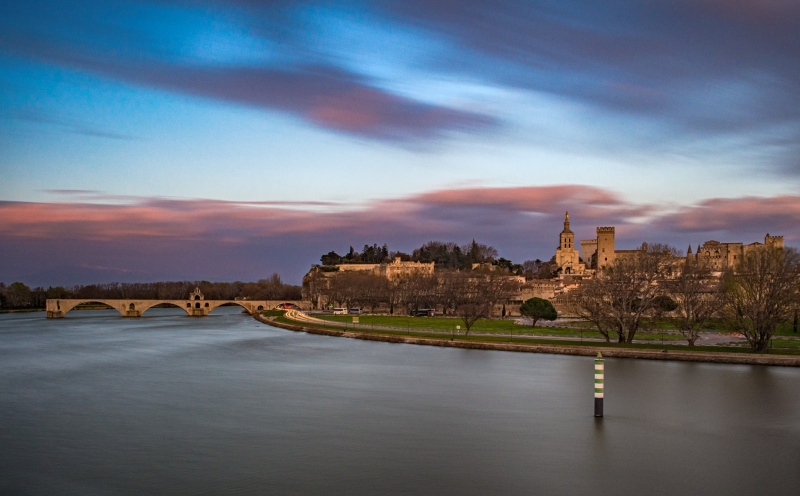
57	308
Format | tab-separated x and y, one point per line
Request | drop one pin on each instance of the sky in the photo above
230	139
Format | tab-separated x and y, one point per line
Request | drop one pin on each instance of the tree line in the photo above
648	288
19	296
445	255
469	295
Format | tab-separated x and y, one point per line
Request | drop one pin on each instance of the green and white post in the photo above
598	385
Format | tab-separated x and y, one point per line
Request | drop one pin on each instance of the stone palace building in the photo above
600	252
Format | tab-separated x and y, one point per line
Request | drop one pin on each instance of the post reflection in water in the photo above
170	404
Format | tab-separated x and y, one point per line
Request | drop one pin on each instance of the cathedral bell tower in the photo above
567	257
567	236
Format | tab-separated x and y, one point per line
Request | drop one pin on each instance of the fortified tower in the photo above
605	247
773	241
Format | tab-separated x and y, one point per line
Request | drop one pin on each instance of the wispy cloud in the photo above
316	91
751	214
689	69
522	222
66	124
73	192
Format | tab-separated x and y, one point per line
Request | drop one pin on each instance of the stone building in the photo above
392	270
722	256
601	252
568	259
318	280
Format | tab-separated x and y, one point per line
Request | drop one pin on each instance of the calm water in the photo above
96	404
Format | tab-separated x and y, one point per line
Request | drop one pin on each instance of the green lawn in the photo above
273	313
793	344
430	323
488	326
786	329
420	332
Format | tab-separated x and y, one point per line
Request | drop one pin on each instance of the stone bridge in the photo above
195	306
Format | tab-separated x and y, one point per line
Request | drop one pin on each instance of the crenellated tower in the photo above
605	247
773	241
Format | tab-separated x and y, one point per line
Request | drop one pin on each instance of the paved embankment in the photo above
693	356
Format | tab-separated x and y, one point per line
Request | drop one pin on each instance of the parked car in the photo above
354	311
340	311
423	312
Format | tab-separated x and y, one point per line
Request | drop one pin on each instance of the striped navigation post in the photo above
598	385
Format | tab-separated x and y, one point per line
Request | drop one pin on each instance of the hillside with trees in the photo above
444	254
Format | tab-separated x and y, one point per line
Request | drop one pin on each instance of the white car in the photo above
340	311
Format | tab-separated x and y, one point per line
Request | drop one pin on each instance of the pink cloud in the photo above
149	237
431	211
737	214
528	198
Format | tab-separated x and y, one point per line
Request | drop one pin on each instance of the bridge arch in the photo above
242	304
68	307
145	307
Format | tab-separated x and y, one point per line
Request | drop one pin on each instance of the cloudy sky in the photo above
229	139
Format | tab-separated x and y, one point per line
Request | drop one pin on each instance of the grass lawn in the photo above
420	332
786	329
429	323
793	344
488	326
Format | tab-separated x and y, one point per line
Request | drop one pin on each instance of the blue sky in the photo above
320	112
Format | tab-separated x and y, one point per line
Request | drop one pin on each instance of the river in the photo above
167	404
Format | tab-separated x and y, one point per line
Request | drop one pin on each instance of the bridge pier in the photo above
194	307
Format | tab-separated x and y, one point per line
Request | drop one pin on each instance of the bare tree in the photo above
419	290
762	294
621	297
698	297
348	288
393	293
589	302
366	289
450	285
478	292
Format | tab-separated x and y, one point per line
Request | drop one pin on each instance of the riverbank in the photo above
558	349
